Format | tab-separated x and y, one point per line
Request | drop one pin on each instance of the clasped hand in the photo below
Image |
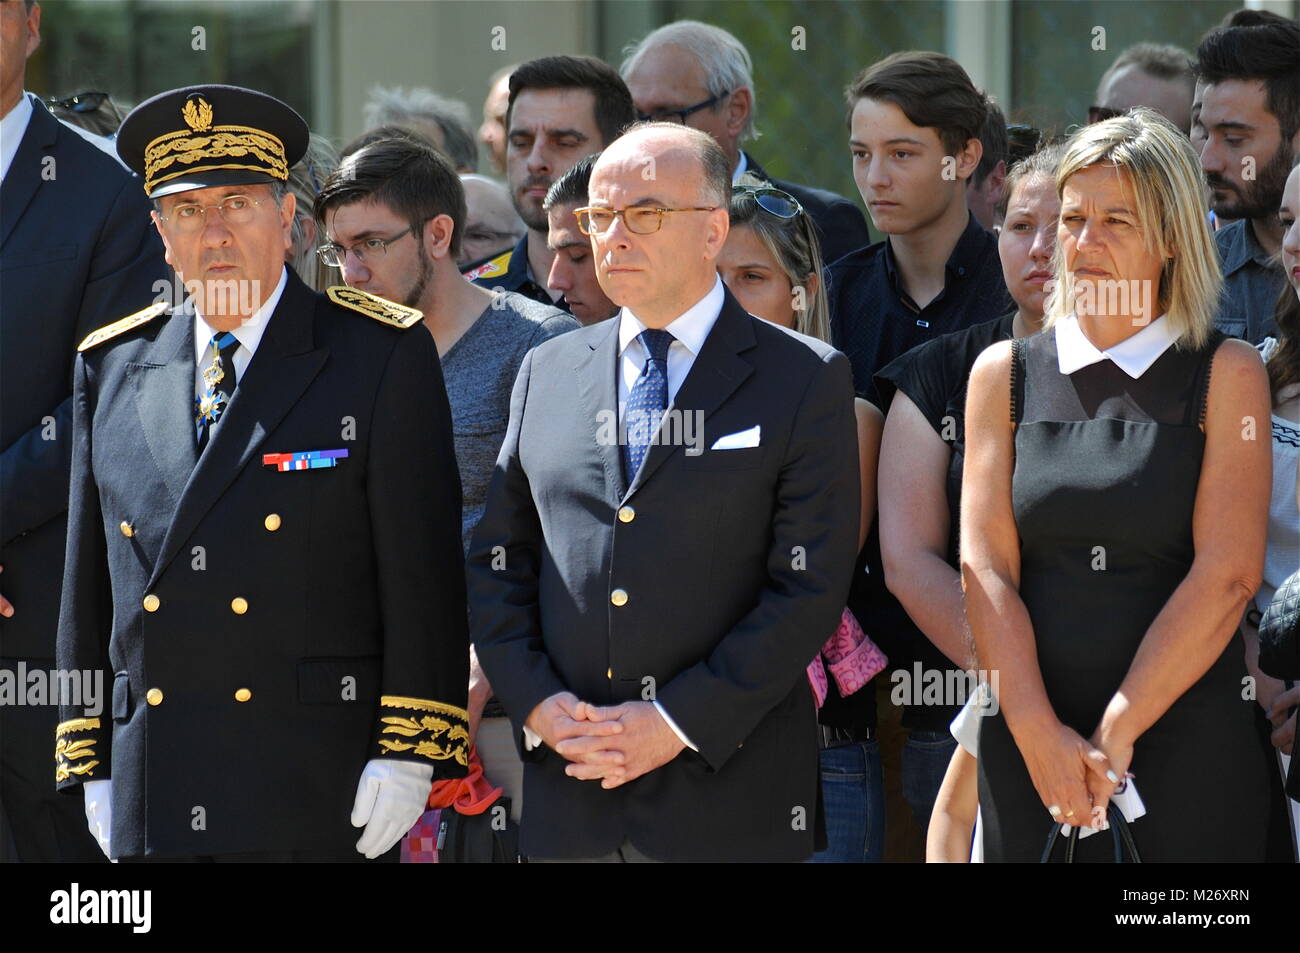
613	744
1074	776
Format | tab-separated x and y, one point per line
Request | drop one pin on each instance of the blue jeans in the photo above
853	794
925	761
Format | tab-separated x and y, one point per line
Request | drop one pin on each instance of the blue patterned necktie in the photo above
647	401
219	381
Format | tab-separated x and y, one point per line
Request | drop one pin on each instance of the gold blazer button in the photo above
239	605
151	603
127	529
618	597
626	514
154	696
243	695
272	522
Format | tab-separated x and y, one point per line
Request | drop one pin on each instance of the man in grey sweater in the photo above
392	216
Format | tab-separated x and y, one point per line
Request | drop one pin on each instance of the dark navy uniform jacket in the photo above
508	271
269	631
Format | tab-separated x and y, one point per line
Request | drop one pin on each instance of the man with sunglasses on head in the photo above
264	532
76	251
664	545
701	76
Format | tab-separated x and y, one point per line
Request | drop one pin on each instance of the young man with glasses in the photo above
561	109
699	75
264	478
664	546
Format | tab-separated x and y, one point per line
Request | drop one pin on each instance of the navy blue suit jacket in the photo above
77	251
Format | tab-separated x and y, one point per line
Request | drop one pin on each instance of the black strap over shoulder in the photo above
1017	380
1217	337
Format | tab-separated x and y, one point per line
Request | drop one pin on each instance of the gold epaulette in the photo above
110	331
372	306
492	268
424	729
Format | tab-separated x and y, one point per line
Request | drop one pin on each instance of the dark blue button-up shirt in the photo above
873	320
1251	284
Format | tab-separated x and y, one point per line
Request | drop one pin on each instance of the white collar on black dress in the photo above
1134	355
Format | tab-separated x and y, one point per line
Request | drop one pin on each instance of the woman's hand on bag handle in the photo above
1063	765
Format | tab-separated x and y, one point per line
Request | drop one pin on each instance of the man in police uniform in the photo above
266	475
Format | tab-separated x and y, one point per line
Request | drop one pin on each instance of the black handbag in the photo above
1121	837
1279	631
487	838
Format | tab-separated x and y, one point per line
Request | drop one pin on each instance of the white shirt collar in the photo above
741	166
12	129
1134	355
249	332
690	329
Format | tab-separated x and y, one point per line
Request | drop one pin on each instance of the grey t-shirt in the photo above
479	372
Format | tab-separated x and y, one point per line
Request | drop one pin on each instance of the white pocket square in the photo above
738	440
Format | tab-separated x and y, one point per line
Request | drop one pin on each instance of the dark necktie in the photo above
647	401
219	385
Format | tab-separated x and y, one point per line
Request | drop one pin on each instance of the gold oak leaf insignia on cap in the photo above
110	331
197	114
381	309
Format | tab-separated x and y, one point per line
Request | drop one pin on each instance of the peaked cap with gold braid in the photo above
201	136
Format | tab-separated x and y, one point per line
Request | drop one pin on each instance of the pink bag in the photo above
852	658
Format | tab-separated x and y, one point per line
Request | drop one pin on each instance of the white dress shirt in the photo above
689	332
249	334
1134	355
12	129
741	166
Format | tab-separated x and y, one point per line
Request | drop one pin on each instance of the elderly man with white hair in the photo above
701	76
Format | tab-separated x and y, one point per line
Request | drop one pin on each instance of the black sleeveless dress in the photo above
1103	490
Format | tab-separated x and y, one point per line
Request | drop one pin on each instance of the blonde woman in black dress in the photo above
1115	500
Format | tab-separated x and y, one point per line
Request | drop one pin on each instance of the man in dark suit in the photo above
76	251
700	75
649	582
267	477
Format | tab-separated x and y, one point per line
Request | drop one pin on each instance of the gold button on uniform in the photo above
609	673
272	522
239	605
127	529
626	514
618	597
243	695
151	603
154	696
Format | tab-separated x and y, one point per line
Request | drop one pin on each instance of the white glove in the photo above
390	798
99	811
